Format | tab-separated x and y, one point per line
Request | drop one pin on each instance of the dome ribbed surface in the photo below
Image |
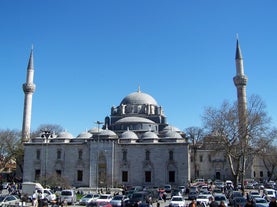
139	98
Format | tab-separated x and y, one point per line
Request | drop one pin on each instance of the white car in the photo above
177	201
203	199
49	195
260	202
6	200
88	198
104	198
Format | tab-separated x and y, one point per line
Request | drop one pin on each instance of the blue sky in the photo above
90	54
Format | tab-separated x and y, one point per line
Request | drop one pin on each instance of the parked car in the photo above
221	197
203	199
253	194
176	192
142	196
177	201
182	188
238	201
233	195
192	195
119	200
260	202
68	196
268	194
6	200
104	198
88	198
49	195
167	188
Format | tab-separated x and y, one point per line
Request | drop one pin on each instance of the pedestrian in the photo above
249	203
164	196
272	202
222	204
35	199
193	203
212	202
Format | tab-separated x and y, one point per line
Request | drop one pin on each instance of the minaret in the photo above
240	81
28	88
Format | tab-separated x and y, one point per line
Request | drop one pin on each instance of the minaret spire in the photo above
240	81
28	88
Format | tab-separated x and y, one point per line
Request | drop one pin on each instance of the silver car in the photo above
119	200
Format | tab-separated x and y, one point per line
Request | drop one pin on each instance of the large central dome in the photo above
139	98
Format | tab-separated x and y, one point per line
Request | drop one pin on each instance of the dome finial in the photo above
139	89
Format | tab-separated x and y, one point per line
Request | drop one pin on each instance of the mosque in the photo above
134	145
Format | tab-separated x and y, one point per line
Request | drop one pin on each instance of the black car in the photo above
192	195
141	197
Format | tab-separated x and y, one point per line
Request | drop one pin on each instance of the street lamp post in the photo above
46	134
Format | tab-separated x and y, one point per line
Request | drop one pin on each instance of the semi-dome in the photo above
134	119
139	98
128	135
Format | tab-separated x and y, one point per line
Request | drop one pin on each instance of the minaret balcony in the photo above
29	87
240	80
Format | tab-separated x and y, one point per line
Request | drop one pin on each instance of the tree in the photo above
53	128
269	158
195	136
9	142
240	148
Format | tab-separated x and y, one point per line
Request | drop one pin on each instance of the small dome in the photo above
107	132
95	130
139	98
85	135
65	135
149	135
128	135
171	128
172	134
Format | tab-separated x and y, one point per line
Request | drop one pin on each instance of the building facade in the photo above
135	146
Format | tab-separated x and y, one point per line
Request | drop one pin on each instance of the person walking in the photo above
212	202
35	199
272	202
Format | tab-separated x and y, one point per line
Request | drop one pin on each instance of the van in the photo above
28	189
68	196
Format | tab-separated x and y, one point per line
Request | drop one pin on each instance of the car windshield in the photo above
88	196
177	199
66	193
104	197
261	201
2	198
220	198
117	198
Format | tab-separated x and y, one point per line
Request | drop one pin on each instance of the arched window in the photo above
147	155
171	155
